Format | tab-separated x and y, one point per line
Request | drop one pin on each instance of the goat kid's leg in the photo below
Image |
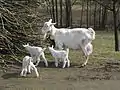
38	60
56	62
29	69
68	63
25	72
64	63
21	74
45	61
35	69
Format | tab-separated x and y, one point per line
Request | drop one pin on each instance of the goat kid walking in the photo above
35	53
27	65
60	54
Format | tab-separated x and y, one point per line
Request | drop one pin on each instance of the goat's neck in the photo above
52	50
53	30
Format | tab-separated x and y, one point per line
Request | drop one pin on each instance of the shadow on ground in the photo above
10	75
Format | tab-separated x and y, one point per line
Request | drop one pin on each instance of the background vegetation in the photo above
21	20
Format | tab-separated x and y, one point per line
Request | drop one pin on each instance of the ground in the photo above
101	73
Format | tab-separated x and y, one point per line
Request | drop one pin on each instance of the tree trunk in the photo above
53	11
90	14
66	2
100	16
81	18
87	15
117	48
56	13
60	13
104	17
95	15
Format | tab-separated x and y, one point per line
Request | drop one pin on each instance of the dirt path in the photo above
105	76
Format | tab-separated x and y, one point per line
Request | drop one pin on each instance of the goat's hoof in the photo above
37	76
46	65
83	65
28	72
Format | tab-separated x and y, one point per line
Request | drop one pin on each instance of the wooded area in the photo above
21	20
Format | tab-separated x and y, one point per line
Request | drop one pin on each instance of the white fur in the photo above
27	65
35	53
76	38
60	54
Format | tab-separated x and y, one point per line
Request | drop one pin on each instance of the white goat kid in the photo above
27	65
60	54
35	53
76	38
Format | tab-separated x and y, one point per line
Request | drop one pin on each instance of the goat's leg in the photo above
21	74
29	69
68	63
64	63
35	69
25	71
87	58
45	61
56	62
38	60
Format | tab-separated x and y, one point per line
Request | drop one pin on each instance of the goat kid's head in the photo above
50	48
47	27
26	45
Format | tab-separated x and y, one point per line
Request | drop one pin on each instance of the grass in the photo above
52	78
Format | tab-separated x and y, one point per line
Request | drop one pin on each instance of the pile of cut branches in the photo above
19	24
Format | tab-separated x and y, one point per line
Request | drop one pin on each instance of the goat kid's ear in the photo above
52	24
50	21
28	44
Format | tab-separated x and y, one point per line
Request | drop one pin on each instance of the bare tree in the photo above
56	4
61	13
114	10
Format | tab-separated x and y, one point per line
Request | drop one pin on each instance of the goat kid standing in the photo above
35	53
60	54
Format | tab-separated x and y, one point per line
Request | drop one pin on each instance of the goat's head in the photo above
26	45
47	27
50	48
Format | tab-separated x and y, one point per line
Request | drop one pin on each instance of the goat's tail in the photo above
92	32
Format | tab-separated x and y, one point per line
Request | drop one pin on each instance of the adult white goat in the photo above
76	38
27	65
35	53
60	54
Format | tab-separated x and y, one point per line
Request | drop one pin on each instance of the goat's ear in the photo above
28	44
53	23
52	46
50	21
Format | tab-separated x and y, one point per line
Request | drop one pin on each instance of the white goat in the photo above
27	65
60	54
76	38
35	53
